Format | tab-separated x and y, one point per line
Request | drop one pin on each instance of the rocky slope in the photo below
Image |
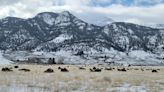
63	31
53	31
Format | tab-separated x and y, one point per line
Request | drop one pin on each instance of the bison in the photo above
25	70
49	70
6	69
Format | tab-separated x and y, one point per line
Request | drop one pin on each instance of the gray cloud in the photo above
82	9
8	2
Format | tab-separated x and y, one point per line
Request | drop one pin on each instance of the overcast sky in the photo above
135	11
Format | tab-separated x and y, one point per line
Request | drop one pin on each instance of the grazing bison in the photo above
25	70
6	69
129	65
16	66
95	69
49	70
81	68
64	70
59	68
154	71
123	69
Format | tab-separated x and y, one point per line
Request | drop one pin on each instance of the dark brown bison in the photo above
123	69
64	70
82	68
16	66
25	70
94	69
6	69
49	70
154	71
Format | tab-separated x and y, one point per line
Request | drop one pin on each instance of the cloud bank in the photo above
134	11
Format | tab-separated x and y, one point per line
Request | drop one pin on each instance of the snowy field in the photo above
3	60
137	57
76	80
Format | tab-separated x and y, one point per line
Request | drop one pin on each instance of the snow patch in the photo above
3	60
129	88
61	38
140	54
48	19
130	31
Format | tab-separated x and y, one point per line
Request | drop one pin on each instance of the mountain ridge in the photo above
47	27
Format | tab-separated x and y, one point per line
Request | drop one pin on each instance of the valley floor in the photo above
76	80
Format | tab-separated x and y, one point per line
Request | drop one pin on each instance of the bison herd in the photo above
93	69
49	70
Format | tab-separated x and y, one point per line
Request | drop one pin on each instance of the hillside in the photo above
64	32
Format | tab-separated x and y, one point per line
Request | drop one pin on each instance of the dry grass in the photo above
80	80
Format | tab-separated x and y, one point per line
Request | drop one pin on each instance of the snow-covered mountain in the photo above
95	19
158	26
104	21
56	32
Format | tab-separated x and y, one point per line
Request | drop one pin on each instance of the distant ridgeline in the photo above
49	31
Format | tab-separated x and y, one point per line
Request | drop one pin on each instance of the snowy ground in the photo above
138	57
81	80
3	60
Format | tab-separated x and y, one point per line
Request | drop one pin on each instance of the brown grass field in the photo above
76	80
